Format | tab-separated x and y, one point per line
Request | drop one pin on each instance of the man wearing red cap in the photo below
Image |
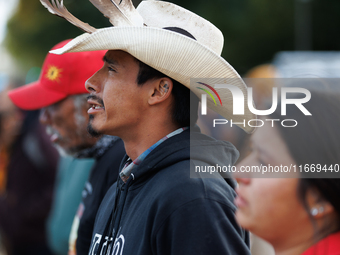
61	95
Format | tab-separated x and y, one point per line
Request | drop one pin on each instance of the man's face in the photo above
116	102
66	125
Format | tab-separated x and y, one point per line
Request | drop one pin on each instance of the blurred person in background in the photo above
261	79
27	174
296	215
60	93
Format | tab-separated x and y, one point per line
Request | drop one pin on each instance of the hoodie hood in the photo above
202	150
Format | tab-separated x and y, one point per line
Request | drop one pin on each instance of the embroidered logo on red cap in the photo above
53	73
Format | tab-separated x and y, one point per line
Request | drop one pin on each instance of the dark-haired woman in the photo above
299	214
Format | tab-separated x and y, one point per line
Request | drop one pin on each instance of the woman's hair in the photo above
315	140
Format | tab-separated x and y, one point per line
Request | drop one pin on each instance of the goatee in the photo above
91	130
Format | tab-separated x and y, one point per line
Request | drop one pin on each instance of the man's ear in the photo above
161	91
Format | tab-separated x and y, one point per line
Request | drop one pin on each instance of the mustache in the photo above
51	131
97	99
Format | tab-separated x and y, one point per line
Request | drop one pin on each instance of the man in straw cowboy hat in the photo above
142	95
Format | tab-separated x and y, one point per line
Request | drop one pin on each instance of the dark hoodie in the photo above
163	210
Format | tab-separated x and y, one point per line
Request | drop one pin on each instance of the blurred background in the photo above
254	30
263	39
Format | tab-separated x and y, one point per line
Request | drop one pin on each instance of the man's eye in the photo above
111	69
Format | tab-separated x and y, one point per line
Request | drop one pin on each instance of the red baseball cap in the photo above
61	76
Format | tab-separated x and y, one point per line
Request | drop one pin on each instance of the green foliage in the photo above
254	30
32	30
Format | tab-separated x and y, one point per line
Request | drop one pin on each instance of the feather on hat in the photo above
141	33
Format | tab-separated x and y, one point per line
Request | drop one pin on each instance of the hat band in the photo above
180	31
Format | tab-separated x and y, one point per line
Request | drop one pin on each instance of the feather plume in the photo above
57	8
119	12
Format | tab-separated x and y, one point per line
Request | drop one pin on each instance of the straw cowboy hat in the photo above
169	38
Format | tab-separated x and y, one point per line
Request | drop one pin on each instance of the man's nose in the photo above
92	84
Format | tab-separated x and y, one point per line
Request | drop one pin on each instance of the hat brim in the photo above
173	54
33	96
